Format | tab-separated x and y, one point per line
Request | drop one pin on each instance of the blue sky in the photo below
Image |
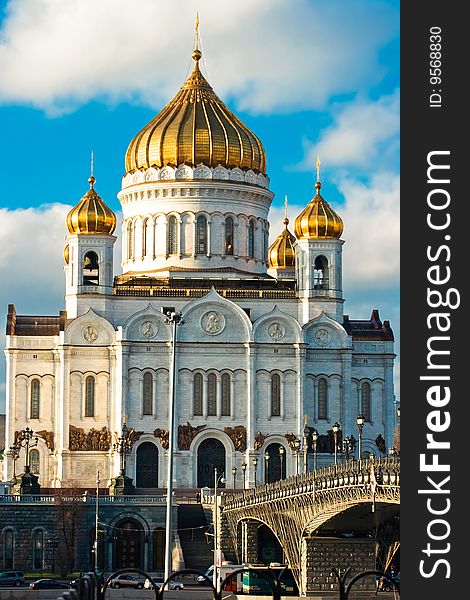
307	76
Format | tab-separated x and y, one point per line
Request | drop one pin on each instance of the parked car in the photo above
174	584
126	580
12	578
48	584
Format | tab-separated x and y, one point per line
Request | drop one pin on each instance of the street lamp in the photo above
255	464
97	519
24	441
243	467
336	428
281	458
360	426
314	443
123	446
297	452
266	466
215	576
306	436
348	447
234	474
173	319
14	454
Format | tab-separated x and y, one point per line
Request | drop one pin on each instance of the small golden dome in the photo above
196	127
318	219
67	253
281	254
91	215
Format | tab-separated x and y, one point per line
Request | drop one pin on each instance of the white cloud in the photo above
267	55
363	134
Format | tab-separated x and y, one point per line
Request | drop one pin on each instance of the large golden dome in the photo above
91	215
318	220
196	127
281	253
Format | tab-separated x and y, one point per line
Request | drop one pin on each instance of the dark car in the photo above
48	584
126	580
12	578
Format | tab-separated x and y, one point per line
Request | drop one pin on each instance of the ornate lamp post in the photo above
122	485
306	433
297	454
281	458
243	467
266	466
336	428
217	563
360	426
14	454
348	447
24	441
173	319
314	444
234	475
255	465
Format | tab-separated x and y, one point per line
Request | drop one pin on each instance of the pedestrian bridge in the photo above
356	496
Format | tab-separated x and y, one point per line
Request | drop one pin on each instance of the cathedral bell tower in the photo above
89	251
318	260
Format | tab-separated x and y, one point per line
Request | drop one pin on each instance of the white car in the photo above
174	584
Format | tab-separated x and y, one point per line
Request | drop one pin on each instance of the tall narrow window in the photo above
144	238
91	269
8	548
172	236
38	549
322	399
34	461
90	397
275	395
201	235
226	400
265	244
197	400
212	395
320	273
365	401
229	235
130	240
251	239
147	400
35	397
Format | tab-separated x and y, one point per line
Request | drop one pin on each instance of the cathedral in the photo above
267	375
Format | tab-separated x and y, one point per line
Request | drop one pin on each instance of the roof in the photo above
371	330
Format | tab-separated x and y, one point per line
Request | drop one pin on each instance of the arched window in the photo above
226	400
365	401
265	244
172	236
147	400
229	235
251	239
90	396
130	240
35	398
275	395
38	549
212	395
320	273
144	238
8	548
201	235
322	399
34	461
197	400
91	269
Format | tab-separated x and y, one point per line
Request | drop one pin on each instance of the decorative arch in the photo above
35	398
91	268
320	273
201	235
211	453
146	460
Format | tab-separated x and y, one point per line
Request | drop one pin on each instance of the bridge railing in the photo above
379	471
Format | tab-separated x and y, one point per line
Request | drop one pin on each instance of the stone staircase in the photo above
192	526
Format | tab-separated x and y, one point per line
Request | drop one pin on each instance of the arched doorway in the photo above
276	467
128	542
210	454
147	466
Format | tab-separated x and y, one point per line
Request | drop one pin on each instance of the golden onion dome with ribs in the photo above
318	220
195	128
91	215
281	253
